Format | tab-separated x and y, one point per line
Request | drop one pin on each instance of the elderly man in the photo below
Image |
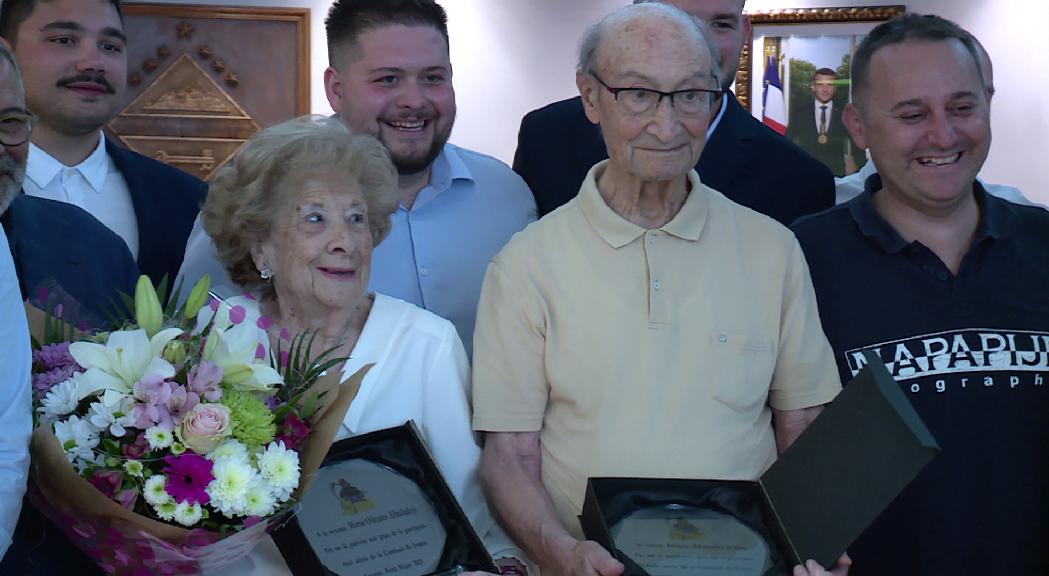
389	76
51	243
74	64
15	408
948	284
743	159
650	327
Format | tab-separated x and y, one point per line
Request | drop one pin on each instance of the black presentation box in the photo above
816	499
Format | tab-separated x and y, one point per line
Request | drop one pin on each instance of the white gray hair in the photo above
592	37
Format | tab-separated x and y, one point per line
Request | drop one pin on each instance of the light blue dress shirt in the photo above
437	252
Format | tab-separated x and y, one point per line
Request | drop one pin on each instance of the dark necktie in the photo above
823	119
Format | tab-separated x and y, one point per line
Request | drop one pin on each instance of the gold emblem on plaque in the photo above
186	119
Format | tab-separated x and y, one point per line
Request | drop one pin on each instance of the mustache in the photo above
99	79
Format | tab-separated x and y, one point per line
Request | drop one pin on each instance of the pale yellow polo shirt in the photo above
652	353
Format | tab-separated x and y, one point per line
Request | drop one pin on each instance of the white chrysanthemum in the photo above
188	514
60	400
280	468
259	500
230	487
166	510
230	448
154	491
117	416
77	437
159	437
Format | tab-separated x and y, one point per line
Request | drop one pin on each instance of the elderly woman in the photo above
294	218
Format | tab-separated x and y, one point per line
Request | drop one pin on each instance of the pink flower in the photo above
138	448
107	481
181	402
293	431
127	498
203	380
152	393
204	427
188	478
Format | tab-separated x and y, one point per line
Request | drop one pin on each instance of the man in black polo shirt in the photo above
950	286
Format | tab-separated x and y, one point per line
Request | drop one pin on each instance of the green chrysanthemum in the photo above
251	420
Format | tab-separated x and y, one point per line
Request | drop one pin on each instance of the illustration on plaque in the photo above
353	499
184	118
685	530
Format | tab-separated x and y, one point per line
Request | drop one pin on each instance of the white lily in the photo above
124	359
235	350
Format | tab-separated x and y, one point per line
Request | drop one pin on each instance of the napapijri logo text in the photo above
958	352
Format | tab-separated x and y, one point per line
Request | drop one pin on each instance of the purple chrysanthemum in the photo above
188	477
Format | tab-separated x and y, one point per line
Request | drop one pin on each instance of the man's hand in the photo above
812	568
588	558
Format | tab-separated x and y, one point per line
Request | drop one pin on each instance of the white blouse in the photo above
421	373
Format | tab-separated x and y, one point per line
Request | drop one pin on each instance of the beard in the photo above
11	176
415	162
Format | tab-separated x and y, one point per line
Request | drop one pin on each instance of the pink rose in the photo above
204	427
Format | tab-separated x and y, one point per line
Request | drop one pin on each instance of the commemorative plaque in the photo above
813	502
378	506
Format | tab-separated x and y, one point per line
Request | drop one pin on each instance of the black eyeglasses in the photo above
637	100
15	127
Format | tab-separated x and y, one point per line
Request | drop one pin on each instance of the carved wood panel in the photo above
203	79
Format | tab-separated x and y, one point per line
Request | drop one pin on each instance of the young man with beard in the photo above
390	77
74	64
948	285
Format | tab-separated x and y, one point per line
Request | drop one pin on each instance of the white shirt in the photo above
94	185
16	407
851	186
818	112
406	342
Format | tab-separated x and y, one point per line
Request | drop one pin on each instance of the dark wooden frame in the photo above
301	16
802	16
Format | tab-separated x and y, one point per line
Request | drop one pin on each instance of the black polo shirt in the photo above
972	353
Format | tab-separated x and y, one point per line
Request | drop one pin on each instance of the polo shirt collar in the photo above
994	216
617	231
42	167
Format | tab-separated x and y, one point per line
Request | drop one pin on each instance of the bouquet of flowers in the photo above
171	444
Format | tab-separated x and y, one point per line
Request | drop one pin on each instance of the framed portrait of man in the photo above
796	76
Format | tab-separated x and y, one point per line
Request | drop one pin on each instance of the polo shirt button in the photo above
423	271
657	285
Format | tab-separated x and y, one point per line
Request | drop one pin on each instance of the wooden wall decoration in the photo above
203	79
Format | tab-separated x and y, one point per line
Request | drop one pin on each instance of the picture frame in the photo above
202	80
811	49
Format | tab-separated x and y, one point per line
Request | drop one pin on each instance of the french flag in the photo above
773	113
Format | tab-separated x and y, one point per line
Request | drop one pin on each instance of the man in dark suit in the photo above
72	55
815	125
743	159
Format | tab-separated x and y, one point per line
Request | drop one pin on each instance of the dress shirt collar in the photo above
687	224
994	217
717	119
447	168
43	167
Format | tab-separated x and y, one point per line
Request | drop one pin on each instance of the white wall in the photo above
512	56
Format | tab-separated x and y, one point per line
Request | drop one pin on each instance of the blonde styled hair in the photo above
247	194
